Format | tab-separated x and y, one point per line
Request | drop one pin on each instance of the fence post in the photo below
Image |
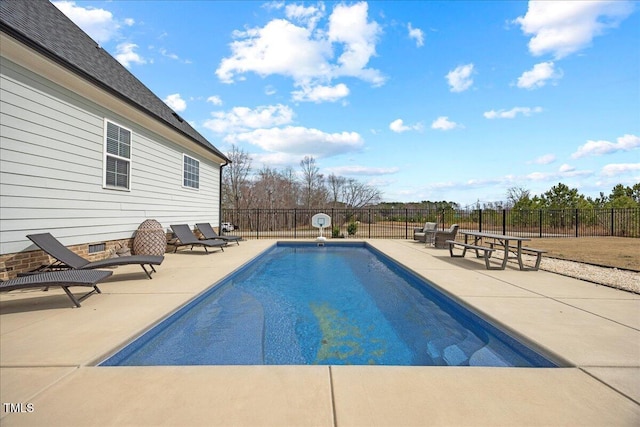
295	223
257	223
576	222
540	221
504	221
480	220
612	219
406	223
369	223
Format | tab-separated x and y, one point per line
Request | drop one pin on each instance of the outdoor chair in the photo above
62	278
67	259
185	237
441	237
425	234
210	234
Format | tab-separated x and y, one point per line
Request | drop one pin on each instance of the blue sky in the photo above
455	101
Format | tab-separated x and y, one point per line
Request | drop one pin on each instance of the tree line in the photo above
307	188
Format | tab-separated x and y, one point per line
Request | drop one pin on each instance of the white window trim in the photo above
182	176
105	154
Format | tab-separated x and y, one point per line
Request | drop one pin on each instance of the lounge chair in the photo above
209	233
185	237
425	234
441	237
67	259
62	278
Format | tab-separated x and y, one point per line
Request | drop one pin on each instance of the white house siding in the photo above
51	169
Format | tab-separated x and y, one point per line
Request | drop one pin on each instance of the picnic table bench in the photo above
487	252
503	243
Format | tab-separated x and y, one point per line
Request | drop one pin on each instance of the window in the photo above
117	157
191	172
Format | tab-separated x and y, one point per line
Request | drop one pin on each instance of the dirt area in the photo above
621	252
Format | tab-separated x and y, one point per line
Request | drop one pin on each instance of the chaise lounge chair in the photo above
186	237
62	278
67	259
209	233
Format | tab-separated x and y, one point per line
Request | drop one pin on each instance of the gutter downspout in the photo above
220	198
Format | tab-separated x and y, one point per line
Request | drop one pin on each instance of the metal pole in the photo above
257	223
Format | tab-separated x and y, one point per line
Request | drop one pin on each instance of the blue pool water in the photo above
335	304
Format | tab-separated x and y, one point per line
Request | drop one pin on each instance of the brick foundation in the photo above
21	262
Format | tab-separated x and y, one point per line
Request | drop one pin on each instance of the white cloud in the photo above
443	123
545	160
242	119
215	100
321	93
511	114
566	168
417	34
176	102
361	170
598	148
305	15
306	54
399	126
538	76
619	169
126	56
280	47
98	23
564	27
300	141
565	171
460	79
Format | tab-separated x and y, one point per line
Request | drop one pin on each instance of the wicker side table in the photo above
150	239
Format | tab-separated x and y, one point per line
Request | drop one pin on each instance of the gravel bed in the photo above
613	277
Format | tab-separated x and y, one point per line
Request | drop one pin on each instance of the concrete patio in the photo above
48	353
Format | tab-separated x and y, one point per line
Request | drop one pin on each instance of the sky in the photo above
425	100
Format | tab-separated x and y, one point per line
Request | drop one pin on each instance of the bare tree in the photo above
516	196
357	194
336	186
235	183
314	193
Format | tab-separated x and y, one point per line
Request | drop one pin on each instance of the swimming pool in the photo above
341	303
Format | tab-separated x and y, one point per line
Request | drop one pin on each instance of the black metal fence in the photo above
399	223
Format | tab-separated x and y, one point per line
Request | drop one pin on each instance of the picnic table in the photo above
510	245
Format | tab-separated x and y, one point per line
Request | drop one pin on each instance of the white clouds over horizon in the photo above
459	79
361	170
599	148
565	27
299	141
545	159
616	169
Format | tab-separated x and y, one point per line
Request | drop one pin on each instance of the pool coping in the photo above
47	348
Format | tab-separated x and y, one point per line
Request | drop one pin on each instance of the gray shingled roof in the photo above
41	26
